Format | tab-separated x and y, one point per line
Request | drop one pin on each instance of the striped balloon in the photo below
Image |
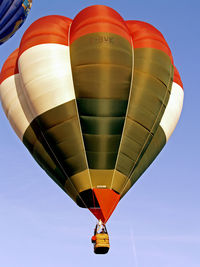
12	15
94	99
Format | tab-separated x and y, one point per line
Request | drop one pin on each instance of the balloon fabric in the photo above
94	100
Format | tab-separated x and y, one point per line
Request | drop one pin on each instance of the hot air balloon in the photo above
12	15
94	100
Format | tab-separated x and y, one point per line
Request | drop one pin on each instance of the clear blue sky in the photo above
157	224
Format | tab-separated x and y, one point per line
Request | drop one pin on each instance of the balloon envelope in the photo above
12	15
94	99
